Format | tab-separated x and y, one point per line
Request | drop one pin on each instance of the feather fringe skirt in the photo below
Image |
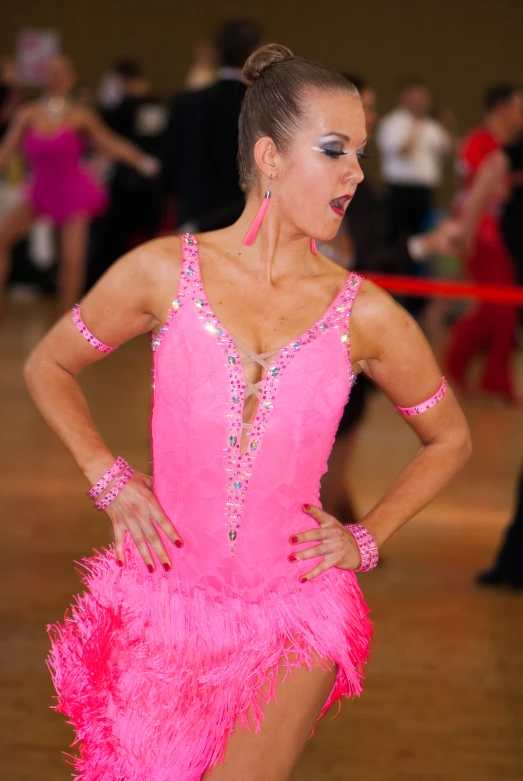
154	679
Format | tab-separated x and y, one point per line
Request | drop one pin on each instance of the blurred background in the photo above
118	124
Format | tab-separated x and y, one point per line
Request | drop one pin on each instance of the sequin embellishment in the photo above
239	465
425	405
86	333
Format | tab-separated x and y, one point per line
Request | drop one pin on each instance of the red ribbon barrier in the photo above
440	288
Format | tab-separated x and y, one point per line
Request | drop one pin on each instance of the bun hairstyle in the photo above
275	105
259	60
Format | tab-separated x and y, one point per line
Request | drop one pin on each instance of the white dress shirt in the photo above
421	166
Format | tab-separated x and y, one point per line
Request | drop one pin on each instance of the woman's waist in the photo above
254	573
273	512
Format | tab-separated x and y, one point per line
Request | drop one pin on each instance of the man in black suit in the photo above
136	201
200	162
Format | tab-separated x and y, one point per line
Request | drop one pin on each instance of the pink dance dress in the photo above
60	187
154	670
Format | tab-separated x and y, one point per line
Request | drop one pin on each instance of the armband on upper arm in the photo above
87	335
425	405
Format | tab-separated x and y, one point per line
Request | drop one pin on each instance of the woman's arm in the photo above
389	347
126	302
116	146
487	184
14	135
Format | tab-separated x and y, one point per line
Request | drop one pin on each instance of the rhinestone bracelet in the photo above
107	478
103	504
366	546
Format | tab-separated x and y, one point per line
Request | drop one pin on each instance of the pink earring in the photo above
255	227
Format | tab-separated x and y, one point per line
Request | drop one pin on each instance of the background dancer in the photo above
52	133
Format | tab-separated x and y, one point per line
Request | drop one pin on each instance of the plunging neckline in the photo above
240	462
276	354
276	350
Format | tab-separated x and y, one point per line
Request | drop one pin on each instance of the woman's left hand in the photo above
336	544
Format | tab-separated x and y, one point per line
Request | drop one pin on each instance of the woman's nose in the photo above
354	172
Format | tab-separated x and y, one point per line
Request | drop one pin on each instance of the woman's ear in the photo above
266	157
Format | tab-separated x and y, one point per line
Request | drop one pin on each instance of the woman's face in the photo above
59	76
318	176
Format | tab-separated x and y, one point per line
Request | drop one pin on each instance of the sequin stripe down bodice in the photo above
234	507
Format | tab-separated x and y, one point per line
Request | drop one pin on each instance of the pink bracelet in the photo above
87	335
426	405
366	546
107	478
103	504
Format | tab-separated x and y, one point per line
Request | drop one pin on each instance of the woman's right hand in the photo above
134	510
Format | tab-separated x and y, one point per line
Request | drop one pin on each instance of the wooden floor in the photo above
444	692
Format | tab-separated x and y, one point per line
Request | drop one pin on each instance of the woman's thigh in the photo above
73	240
15	223
272	754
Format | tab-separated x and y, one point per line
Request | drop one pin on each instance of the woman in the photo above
226	575
500	167
488	327
52	133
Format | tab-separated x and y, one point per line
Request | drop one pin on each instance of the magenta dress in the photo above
60	187
154	670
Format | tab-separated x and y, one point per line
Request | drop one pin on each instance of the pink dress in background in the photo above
154	670
60	187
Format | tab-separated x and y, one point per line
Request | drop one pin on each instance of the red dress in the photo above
488	327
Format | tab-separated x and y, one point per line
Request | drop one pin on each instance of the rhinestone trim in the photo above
86	333
425	405
239	466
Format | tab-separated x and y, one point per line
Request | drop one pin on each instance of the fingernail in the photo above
120	563
306	507
292	557
166	566
178	543
293	539
303	580
150	568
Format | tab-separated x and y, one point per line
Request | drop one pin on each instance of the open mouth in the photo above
339	205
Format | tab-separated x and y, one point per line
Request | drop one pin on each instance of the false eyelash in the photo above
333	154
363	156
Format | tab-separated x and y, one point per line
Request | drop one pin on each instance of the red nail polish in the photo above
293	539
120	563
306	507
150	568
292	557
178	543
166	566
303	580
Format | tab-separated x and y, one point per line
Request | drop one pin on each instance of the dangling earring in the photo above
314	248
253	230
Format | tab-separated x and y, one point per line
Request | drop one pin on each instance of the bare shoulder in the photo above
378	322
158	260
157	265
373	305
84	117
144	281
